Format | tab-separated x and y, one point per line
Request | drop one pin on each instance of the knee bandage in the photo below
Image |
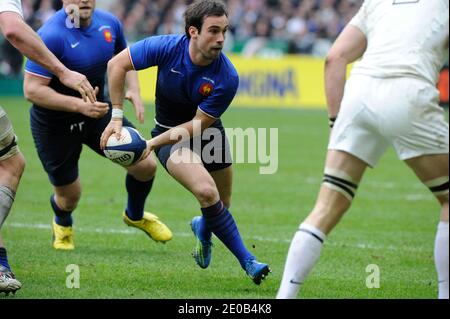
341	182
7	196
439	186
8	141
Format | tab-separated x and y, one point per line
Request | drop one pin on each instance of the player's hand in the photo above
150	148
94	110
80	83
114	127
135	99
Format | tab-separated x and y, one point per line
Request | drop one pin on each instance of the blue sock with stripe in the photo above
137	194
4	258
62	217
222	224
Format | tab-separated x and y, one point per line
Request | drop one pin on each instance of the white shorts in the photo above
8	141
402	112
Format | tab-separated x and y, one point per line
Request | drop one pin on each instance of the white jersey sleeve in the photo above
405	38
11	6
359	20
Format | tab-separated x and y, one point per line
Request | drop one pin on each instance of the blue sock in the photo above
4	258
62	217
137	194
205	232
222	224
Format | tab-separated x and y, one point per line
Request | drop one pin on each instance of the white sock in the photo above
303	255
441	258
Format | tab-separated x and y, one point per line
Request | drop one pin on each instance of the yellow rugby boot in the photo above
62	237
152	226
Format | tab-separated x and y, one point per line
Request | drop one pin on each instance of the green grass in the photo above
391	224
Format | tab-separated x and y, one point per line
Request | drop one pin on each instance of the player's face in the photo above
211	39
86	7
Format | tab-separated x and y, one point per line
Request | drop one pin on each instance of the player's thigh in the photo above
356	130
59	150
224	182
143	170
186	167
433	171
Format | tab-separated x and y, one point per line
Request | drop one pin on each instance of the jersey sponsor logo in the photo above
74	45
108	36
206	89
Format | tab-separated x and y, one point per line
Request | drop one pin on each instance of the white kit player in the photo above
389	99
12	162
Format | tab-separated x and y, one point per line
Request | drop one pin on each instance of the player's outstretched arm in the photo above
188	130
29	44
37	91
349	46
118	67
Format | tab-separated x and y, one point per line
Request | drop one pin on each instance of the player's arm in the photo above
23	38
38	91
118	67
188	130
349	46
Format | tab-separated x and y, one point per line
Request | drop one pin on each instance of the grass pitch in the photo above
392	225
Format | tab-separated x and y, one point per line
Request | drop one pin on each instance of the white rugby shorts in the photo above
378	112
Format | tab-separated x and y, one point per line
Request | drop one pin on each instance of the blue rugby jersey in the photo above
183	87
85	50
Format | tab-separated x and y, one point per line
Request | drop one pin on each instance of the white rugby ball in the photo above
128	149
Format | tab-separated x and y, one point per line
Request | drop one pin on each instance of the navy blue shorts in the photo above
59	141
212	147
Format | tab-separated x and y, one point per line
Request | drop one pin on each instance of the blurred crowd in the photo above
289	26
258	27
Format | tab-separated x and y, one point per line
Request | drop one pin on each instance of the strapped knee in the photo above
8	141
7	196
439	186
341	182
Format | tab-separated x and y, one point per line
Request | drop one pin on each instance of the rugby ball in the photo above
128	149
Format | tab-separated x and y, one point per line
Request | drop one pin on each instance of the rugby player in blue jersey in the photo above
61	122
196	84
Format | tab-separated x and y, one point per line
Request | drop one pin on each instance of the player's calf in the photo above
7	196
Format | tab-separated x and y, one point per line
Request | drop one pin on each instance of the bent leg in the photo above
11	171
433	171
185	166
343	172
63	203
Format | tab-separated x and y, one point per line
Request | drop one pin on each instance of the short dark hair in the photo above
198	11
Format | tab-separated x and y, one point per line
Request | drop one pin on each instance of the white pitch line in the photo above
362	246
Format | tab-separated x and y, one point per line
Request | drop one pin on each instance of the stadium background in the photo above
278	47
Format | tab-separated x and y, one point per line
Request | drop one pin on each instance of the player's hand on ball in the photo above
150	148
114	127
